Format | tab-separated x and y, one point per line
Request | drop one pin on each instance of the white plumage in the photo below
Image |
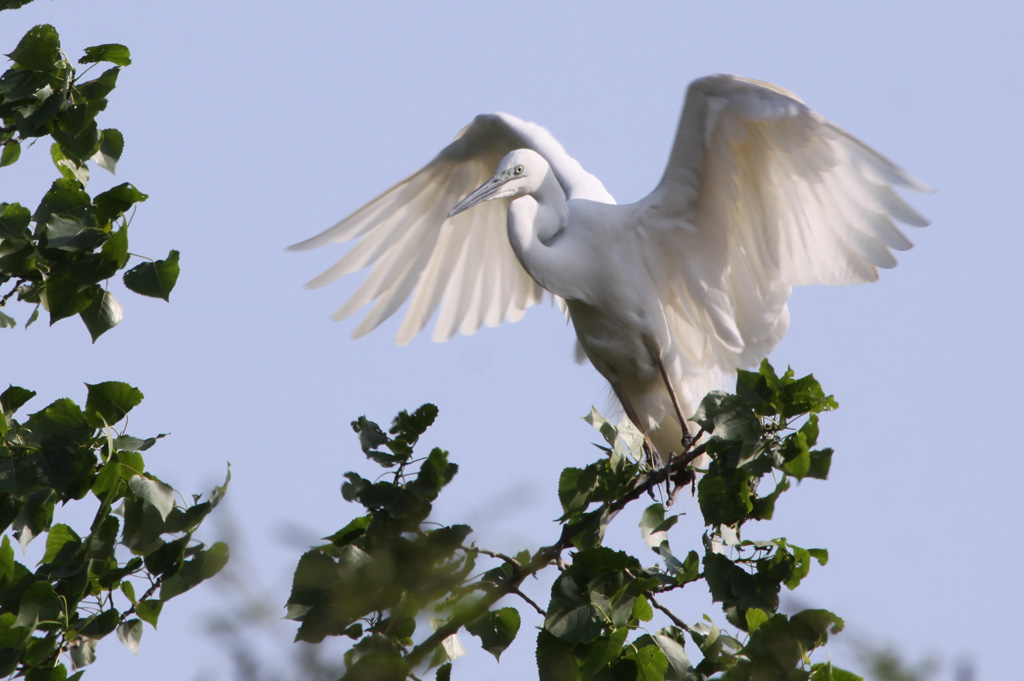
690	283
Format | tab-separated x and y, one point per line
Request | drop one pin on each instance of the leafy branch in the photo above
57	256
60	258
84	587
379	575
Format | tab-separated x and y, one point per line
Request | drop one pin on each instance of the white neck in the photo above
535	222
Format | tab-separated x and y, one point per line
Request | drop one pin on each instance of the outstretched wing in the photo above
463	264
760	194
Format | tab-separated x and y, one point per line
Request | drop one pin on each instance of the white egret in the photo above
667	295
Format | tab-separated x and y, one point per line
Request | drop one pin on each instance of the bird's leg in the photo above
687	441
687	438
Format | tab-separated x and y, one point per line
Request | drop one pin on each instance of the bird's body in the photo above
667	295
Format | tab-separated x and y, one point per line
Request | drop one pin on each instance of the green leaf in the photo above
76	131
6	560
409	427
352	531
129	592
588	530
130	633
654	527
70	234
820	555
100	625
69	168
38	50
14	398
733	586
116	201
64	297
642	610
154	279
596	656
571	617
13	4
821	622
111	148
555	659
59	424
62	543
109	402
103	314
158	494
575	486
649	658
797	455
724	497
116	247
444	672
824	671
204	565
83	652
671	643
167	559
39	603
149	611
821	462
730	419
370	435
755	618
11	152
496	630
112	52
66	198
14	221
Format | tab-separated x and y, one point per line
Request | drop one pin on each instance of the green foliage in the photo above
138	553
386	571
59	256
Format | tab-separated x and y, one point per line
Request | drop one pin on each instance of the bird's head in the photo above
521	172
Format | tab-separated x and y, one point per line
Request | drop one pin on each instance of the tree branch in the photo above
675	620
544	557
540	610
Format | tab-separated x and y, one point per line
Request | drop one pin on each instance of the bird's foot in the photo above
688	440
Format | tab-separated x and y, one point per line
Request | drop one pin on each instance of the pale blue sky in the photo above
255	126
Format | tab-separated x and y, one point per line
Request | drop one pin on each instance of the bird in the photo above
670	295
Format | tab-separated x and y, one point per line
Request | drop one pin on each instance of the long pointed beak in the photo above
484	192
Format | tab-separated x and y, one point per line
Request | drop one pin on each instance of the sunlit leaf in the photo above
103	314
158	494
130	633
83	652
10	153
111	148
112	52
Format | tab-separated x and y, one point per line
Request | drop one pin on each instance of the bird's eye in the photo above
519	170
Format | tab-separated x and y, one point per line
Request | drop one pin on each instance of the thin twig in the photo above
541	559
492	554
648	481
6	297
540	610
675	620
